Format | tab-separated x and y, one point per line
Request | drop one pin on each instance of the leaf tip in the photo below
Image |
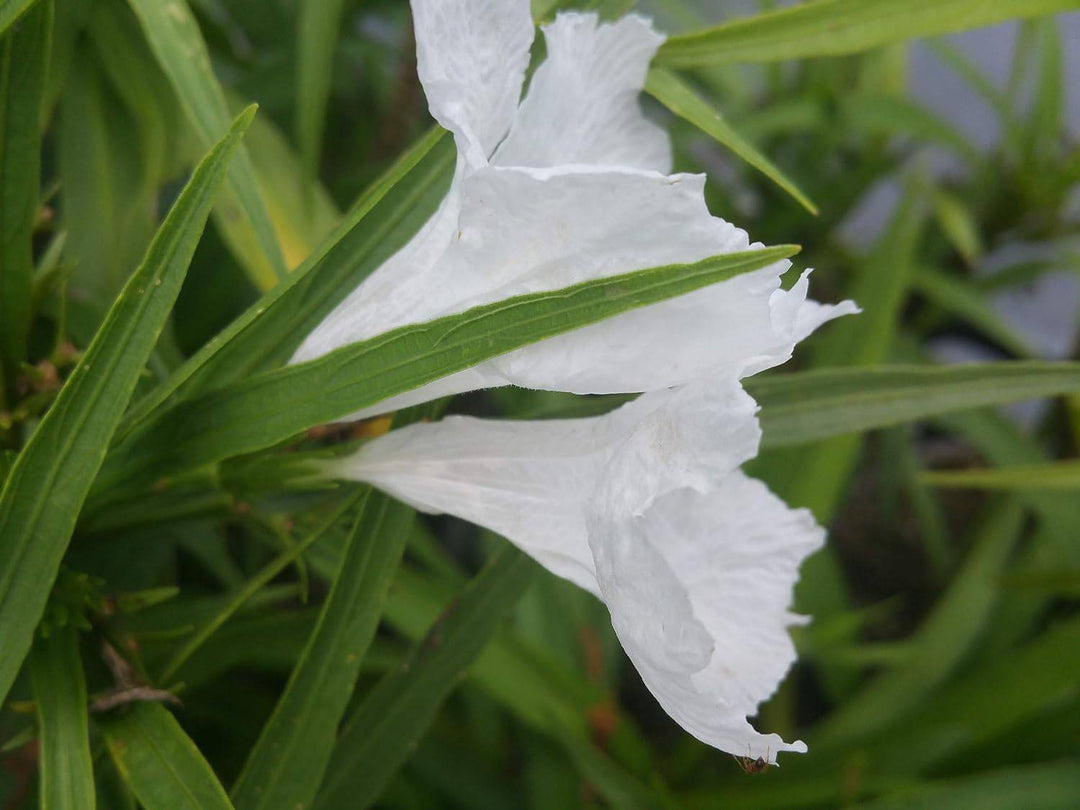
244	119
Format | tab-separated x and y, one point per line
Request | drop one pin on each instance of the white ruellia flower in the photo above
647	508
568	184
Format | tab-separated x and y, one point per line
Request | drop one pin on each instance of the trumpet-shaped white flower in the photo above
569	185
647	508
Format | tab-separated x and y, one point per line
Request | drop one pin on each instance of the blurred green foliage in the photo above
941	669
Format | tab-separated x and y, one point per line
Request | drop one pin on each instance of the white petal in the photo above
471	56
795	317
691	436
504	232
531	481
399	292
699	588
564	226
525	480
582	103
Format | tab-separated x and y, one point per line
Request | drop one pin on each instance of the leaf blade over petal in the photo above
273	407
47	485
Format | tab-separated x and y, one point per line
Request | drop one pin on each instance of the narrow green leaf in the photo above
96	153
1060	475
614	783
1003	444
816	477
175	39
11	10
46	488
1037	677
67	773
1044	126
681	99
540	691
275	406
270	330
24	60
159	761
835	27
986	89
318	24
969	303
814	405
881	288
301	209
957	222
387	725
896	115
1042	786
939	644
287	764
253	586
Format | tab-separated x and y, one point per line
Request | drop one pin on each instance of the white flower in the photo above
569	185
647	508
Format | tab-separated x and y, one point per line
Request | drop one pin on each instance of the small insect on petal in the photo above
751	765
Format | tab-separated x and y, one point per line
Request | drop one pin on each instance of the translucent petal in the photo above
525	480
531	481
395	294
794	317
471	56
516	231
582	104
699	589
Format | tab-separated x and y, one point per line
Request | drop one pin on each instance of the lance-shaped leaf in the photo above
46	487
1061	475
258	584
67	773
319	21
159	761
382	732
940	643
286	765
175	39
11	10
681	99
24	59
835	27
270	330
799	408
273	407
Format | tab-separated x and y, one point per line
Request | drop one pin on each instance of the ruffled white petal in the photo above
699	589
471	56
525	480
521	231
504	231
793	317
645	507
685	437
582	104
531	481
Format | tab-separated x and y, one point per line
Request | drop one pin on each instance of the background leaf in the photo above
287	764
45	489
275	406
24	58
798	408
67	773
677	96
175	39
159	762
380	734
832	27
